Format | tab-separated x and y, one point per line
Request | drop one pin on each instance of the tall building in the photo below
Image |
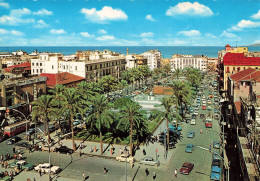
182	61
153	58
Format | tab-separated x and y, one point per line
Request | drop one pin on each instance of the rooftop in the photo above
240	59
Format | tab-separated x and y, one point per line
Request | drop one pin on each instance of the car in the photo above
191	134
4	178
209	102
65	150
202	116
196	112
204	107
46	148
216	144
193	122
30	131
46	168
124	156
216	155
52	128
209	108
216	162
13	140
189	148
186	168
215	110
148	160
22	164
215	173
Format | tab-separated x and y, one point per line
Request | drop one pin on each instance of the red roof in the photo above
61	78
227	45
240	59
26	66
247	74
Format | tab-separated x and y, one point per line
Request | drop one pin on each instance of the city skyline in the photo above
129	23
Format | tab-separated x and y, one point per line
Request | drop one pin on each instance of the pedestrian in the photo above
105	170
34	179
11	174
132	164
154	175
80	152
28	179
210	148
83	176
146	172
6	164
112	147
120	150
95	148
111	151
175	172
13	149
144	152
201	131
2	157
40	171
2	163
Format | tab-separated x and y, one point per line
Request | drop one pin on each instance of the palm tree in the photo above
167	69
73	103
43	108
177	73
167	103
100	116
84	90
132	113
57	98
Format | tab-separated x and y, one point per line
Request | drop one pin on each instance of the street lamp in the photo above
125	163
26	121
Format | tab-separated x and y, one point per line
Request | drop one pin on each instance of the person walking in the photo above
154	175
175	172
105	170
13	149
111	151
201	131
210	148
40	172
120	150
83	176
146	172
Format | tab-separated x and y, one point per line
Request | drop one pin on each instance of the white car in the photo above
122	158
192	122
45	168
196	112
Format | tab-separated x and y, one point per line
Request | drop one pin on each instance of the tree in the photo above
126	75
84	90
145	72
132	113
136	74
73	103
109	83
167	69
100	116
43	108
177	73
167	103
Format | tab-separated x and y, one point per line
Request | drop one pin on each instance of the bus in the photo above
208	123
16	128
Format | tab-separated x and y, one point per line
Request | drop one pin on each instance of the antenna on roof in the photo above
236	43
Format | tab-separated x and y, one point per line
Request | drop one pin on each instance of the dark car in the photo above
52	128
13	140
216	162
64	150
186	168
31	131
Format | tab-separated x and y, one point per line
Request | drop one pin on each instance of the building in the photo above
153	58
183	61
20	70
213	64
229	49
91	69
19	93
236	62
133	61
67	79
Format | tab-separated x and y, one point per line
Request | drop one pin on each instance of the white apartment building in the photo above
53	63
183	61
131	61
153	58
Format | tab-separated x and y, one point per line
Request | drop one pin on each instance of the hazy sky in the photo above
129	22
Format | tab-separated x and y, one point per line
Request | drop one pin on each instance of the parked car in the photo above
124	156
30	131
186	168
22	164
216	162
65	150
216	144
149	161
46	168
46	148
189	148
191	134
193	122
215	173
204	107
13	140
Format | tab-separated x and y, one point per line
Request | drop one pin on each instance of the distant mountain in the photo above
258	44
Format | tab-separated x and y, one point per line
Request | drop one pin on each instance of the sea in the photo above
167	51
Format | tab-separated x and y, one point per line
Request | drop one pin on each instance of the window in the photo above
40	64
238	69
227	70
22	96
52	66
33	70
40	70
37	64
76	68
234	68
32	64
63	66
37	70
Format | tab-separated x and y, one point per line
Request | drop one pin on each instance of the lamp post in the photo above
125	164
26	121
219	157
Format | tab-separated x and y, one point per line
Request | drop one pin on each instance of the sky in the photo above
129	22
